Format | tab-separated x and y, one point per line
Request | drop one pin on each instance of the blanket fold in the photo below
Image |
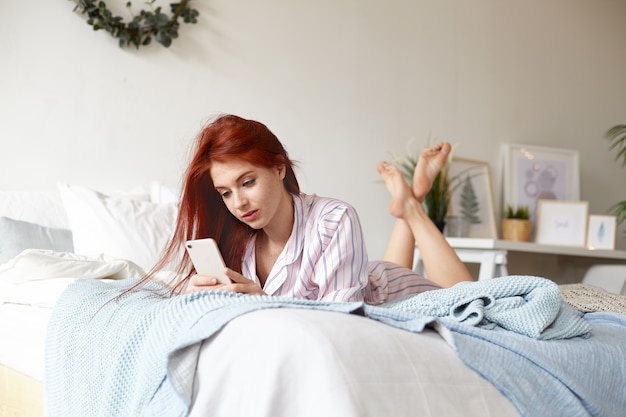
527	305
135	355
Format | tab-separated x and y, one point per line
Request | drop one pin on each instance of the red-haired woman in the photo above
241	190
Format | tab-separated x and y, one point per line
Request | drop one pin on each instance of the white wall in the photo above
339	81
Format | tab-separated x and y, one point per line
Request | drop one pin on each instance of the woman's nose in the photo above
240	200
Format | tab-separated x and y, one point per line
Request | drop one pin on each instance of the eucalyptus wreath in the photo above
142	27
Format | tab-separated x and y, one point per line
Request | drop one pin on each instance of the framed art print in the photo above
601	232
533	173
561	223
471	197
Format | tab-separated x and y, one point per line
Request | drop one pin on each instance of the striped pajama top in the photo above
326	259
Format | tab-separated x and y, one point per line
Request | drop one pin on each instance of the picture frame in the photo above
601	232
533	173
471	196
562	223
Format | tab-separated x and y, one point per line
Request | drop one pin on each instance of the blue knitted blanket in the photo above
530	306
135	355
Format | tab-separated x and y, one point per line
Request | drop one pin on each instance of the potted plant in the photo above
617	136
516	224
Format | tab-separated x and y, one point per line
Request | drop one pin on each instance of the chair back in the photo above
612	278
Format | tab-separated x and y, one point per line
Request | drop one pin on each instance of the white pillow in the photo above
117	226
40	207
161	193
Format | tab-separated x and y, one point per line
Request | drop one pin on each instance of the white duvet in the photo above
280	362
37	265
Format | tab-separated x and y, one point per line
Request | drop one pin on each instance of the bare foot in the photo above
401	194
428	166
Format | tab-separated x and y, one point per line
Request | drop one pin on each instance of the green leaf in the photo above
619	210
521	212
146	23
617	138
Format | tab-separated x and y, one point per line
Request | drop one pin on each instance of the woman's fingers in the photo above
203	280
236	276
240	284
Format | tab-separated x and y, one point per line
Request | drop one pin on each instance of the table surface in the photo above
531	247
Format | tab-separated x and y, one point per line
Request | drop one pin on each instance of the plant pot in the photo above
441	224
516	229
457	226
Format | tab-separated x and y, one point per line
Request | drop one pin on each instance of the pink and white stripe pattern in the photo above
326	259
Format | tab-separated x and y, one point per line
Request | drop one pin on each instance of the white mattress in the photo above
25	310
23	330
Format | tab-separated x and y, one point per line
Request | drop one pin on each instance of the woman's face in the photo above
251	193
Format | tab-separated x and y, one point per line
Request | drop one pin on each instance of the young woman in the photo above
241	190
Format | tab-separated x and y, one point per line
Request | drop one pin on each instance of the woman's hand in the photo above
239	284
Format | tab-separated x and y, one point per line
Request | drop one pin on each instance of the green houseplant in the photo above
521	212
617	136
516	224
438	198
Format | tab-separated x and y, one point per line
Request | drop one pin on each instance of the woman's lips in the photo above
250	216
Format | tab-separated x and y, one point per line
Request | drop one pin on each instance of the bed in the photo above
233	355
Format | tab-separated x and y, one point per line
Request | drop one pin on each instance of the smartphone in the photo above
207	259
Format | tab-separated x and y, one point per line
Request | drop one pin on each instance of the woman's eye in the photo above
225	194
248	183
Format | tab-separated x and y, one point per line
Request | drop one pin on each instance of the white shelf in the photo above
531	247
491	254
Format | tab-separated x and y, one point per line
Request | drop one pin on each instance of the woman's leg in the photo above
441	262
401	246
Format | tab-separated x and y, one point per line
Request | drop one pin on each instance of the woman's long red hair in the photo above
202	213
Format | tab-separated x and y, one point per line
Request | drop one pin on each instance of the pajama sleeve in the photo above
340	266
